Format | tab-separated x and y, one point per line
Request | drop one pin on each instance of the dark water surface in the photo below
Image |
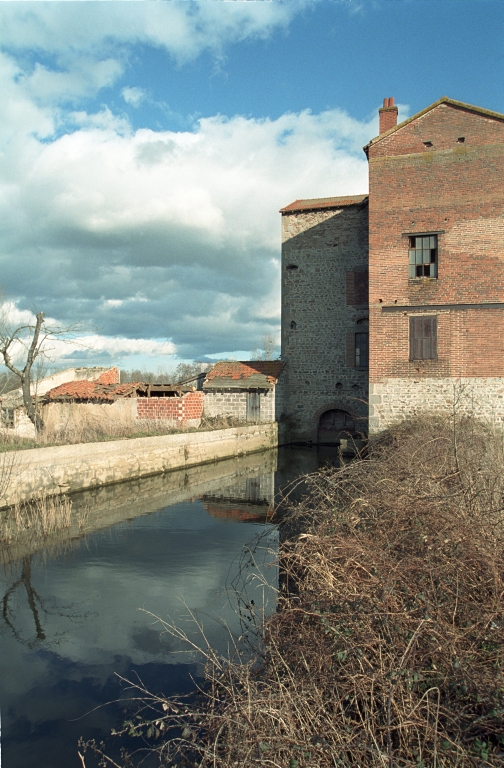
79	611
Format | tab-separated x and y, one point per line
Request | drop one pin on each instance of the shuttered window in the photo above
423	337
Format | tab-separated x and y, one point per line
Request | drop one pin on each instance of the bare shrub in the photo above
388	648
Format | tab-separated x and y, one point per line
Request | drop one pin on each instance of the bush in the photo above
388	646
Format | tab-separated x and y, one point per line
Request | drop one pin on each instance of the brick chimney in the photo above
388	115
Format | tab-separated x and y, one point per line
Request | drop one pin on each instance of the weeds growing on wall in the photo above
388	649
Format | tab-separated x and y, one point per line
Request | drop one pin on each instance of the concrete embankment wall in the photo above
71	468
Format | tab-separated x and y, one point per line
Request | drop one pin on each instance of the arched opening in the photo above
333	425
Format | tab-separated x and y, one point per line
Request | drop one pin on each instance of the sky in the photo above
147	147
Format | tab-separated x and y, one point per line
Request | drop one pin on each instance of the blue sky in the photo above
146	148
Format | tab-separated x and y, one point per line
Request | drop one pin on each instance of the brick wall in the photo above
186	410
111	376
441	174
324	254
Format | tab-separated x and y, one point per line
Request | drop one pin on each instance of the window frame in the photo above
423	256
423	337
362	365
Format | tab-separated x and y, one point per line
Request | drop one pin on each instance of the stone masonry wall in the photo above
394	399
324	254
234	403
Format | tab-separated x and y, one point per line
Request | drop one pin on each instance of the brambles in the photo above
388	648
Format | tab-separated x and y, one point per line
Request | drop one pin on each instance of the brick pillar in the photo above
388	115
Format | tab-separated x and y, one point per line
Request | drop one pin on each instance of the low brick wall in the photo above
186	410
70	468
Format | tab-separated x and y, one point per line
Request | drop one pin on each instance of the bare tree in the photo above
267	348
22	346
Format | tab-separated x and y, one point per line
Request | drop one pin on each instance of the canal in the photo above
78	610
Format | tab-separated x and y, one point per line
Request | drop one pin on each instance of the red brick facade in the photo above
183	409
441	173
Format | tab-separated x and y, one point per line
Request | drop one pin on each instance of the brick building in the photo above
430	234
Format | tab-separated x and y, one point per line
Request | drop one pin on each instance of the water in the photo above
79	612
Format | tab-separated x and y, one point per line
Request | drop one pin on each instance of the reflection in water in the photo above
8	613
73	610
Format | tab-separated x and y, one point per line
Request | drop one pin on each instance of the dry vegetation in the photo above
388	648
43	516
92	430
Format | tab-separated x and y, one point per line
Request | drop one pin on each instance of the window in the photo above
423	256
423	337
362	350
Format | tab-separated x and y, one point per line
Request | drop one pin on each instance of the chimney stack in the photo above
388	115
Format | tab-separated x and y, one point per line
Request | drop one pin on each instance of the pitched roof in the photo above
319	203
94	391
235	370
442	100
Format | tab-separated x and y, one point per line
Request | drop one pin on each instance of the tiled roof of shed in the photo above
319	203
93	390
236	370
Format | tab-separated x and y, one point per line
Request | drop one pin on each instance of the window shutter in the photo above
423	338
429	338
361	290
350	349
350	288
357	287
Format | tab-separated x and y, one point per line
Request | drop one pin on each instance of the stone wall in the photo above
324	261
392	400
233	402
71	468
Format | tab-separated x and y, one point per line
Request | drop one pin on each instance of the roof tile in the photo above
319	203
234	369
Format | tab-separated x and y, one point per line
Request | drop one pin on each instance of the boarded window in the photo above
423	337
253	406
357	287
350	349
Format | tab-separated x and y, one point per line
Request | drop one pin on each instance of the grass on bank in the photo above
97	430
388	646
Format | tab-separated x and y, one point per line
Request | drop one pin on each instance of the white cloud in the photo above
184	29
152	234
133	96
187	220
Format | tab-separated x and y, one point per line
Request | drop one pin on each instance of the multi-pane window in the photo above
362	350
423	337
423	256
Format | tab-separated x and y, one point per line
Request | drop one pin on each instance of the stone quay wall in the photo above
71	468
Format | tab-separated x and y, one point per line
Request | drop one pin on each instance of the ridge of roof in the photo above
318	203
442	100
